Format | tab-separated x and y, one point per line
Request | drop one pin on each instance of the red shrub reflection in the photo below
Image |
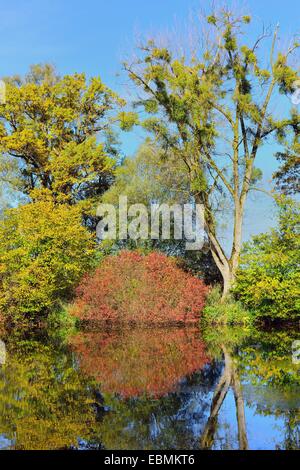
131	287
137	362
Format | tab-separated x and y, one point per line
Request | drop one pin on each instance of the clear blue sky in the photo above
95	36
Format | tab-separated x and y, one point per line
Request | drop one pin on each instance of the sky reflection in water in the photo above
151	389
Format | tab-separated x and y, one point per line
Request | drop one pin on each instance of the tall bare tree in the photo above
213	110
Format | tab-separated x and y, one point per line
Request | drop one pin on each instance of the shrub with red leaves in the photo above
132	287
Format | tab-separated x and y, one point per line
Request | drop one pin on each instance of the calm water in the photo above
150	389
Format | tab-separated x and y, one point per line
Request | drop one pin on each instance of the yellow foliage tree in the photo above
44	250
49	125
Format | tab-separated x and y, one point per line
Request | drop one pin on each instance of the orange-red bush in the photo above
132	287
135	362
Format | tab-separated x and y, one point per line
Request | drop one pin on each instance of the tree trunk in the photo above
228	379
228	276
207	438
228	280
240	411
227	265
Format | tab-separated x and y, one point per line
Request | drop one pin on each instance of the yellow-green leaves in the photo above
44	250
269	278
127	120
246	19
284	74
76	170
230	40
46	117
212	19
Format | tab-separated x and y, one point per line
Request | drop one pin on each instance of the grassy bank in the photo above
230	312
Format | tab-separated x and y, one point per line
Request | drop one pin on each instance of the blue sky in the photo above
95	36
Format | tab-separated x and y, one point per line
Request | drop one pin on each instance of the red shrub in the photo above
131	287
137	362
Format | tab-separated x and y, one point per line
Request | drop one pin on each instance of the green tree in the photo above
287	177
212	110
150	177
269	276
145	179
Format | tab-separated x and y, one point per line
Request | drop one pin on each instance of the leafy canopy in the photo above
269	276
48	129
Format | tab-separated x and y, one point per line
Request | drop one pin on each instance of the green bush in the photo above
60	324
269	277
44	251
230	312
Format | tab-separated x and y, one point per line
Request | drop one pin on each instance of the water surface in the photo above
167	388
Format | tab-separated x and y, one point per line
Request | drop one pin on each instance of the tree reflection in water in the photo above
45	403
229	378
151	389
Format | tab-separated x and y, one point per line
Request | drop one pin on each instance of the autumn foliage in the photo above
44	251
140	362
132	287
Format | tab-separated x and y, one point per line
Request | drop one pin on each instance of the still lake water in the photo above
166	388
